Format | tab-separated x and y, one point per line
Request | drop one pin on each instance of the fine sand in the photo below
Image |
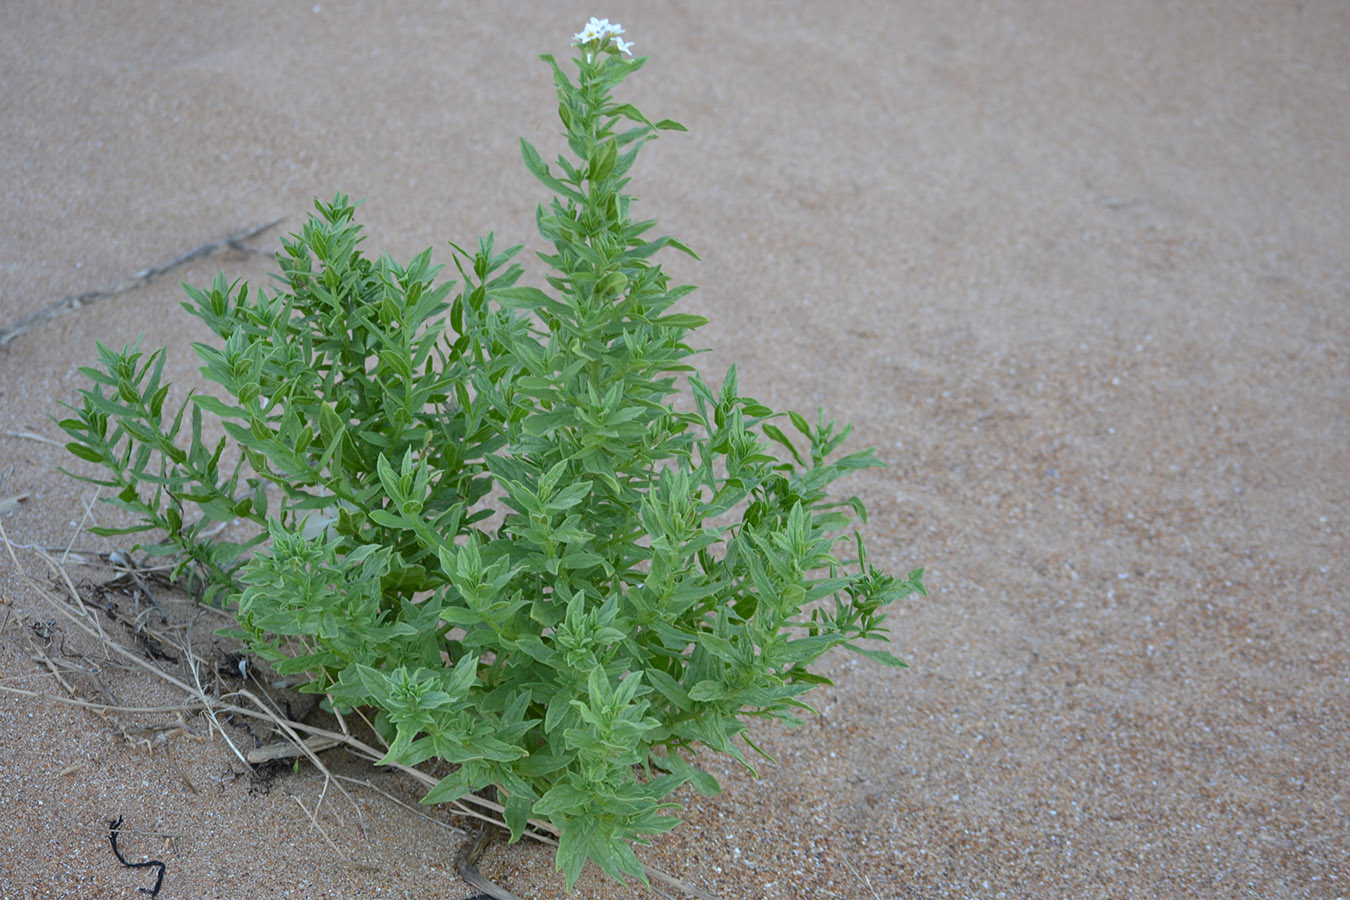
1078	270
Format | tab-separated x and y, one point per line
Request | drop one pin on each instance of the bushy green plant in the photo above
480	511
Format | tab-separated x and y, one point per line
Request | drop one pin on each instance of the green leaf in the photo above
669	688
448	789
681	320
569	496
530	298
602	164
709	690
517	814
103	531
387	519
535	163
881	656
675	764
775	433
629	111
85	452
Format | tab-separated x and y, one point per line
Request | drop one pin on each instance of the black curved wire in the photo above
113	827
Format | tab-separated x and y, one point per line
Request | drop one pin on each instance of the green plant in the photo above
484	516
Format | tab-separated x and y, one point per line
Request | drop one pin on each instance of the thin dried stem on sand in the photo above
861	877
40	656
392	799
287	750
314	822
69	305
31	436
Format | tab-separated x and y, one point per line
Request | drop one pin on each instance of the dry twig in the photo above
31	436
144	276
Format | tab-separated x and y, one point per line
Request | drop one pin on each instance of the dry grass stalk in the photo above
285	750
861	877
31	436
144	276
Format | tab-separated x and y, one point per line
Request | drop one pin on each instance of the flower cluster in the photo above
599	30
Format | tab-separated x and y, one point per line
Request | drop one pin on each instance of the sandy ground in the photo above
1079	270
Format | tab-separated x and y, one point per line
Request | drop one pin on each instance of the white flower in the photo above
598	30
587	34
